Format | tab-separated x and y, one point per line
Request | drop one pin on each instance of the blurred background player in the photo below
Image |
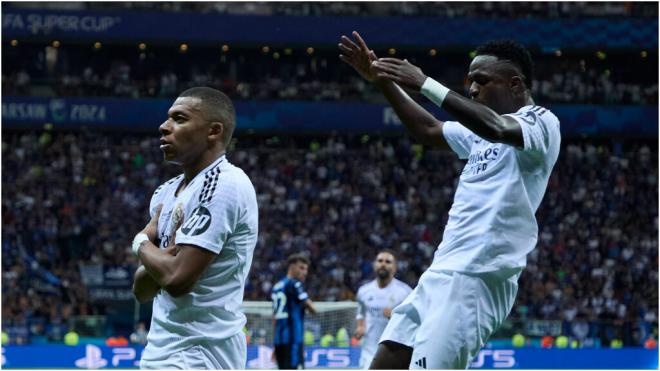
375	302
289	303
197	249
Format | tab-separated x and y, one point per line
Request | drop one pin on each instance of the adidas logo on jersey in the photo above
421	362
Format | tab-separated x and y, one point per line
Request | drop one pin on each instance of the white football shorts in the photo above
449	316
365	359
226	354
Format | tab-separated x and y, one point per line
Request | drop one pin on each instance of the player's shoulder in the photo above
401	285
162	190
533	114
367	286
232	172
279	285
169	183
228	179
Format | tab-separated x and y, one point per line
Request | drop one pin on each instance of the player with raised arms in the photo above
511	145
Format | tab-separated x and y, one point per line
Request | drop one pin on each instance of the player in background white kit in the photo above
511	146
376	299
197	249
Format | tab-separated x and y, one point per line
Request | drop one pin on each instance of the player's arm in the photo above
310	306
360	329
175	269
421	124
177	274
361	314
145	288
475	116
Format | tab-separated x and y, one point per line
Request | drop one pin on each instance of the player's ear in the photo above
517	85
216	130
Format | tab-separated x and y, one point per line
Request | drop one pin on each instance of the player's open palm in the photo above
358	55
402	72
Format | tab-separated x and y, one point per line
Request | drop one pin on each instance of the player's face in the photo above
185	132
300	271
489	82
385	265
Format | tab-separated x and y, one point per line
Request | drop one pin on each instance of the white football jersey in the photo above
372	300
491	223
220	214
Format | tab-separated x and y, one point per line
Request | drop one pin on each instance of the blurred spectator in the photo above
139	336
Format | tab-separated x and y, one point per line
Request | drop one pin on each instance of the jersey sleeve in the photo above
299	291
540	128
459	138
210	222
361	308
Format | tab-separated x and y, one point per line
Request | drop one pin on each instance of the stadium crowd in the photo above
158	71
75	198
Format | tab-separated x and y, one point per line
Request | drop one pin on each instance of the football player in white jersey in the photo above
197	249
510	145
376	299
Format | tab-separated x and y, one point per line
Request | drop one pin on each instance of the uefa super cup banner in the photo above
260	357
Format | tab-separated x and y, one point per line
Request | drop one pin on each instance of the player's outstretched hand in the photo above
358	55
151	229
402	72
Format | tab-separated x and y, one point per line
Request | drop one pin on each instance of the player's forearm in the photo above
417	120
145	287
477	117
310	306
164	269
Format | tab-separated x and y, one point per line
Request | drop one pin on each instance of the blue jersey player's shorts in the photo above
450	315
290	356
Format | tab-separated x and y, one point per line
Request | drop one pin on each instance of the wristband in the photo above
434	91
137	242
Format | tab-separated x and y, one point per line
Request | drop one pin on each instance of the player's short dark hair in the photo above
388	251
297	258
216	106
511	51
